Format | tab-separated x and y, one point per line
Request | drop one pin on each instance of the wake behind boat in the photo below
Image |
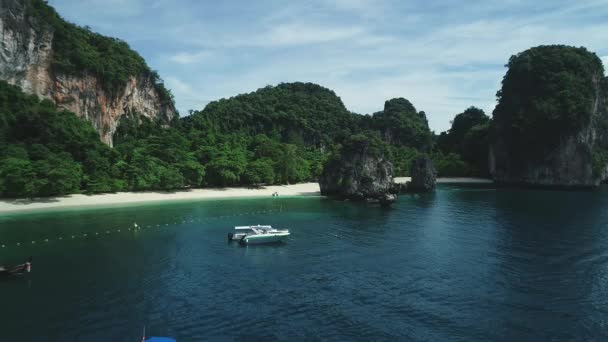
249	235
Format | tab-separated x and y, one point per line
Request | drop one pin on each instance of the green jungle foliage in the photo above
47	152
78	51
313	118
547	94
303	114
463	150
401	125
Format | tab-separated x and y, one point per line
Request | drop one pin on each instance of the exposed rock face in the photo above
424	175
360	172
575	156
571	164
26	54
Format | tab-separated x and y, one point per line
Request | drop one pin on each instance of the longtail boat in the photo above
16	269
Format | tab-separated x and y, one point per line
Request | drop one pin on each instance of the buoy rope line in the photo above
135	228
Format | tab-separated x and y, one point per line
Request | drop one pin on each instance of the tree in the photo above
452	141
170	178
57	175
226	167
260	171
192	172
19	178
291	167
400	124
475	150
468	139
450	165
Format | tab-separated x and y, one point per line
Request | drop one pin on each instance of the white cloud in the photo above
190	58
605	62
298	34
180	86
364	8
442	56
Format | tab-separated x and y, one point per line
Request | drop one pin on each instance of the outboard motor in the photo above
28	265
230	236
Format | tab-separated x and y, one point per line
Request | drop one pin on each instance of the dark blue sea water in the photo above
463	264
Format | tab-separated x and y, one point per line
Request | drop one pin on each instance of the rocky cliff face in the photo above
554	132
571	164
424	175
359	172
26	53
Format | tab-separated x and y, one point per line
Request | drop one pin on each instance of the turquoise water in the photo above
463	264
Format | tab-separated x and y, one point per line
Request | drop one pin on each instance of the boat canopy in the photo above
251	227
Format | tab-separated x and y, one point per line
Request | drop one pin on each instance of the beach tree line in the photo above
276	135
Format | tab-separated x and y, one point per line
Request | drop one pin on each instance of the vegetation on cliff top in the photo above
78	50
401	124
314	118
547	93
303	114
463	150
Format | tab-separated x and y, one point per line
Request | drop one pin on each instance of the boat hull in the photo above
264	238
236	237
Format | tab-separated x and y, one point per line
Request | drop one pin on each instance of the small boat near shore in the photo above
250	235
17	269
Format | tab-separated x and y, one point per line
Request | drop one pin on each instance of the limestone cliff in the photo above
359	171
27	53
550	126
424	175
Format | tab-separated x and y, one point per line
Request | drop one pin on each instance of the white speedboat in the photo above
250	235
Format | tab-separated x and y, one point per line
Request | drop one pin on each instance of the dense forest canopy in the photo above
468	141
44	151
303	114
276	135
49	152
400	124
547	93
315	119
78	51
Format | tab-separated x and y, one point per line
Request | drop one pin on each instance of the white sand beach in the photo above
70	201
101	200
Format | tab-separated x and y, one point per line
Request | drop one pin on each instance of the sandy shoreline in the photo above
101	200
72	201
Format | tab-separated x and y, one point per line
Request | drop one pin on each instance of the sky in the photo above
442	55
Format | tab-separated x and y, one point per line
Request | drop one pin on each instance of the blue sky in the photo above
443	56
